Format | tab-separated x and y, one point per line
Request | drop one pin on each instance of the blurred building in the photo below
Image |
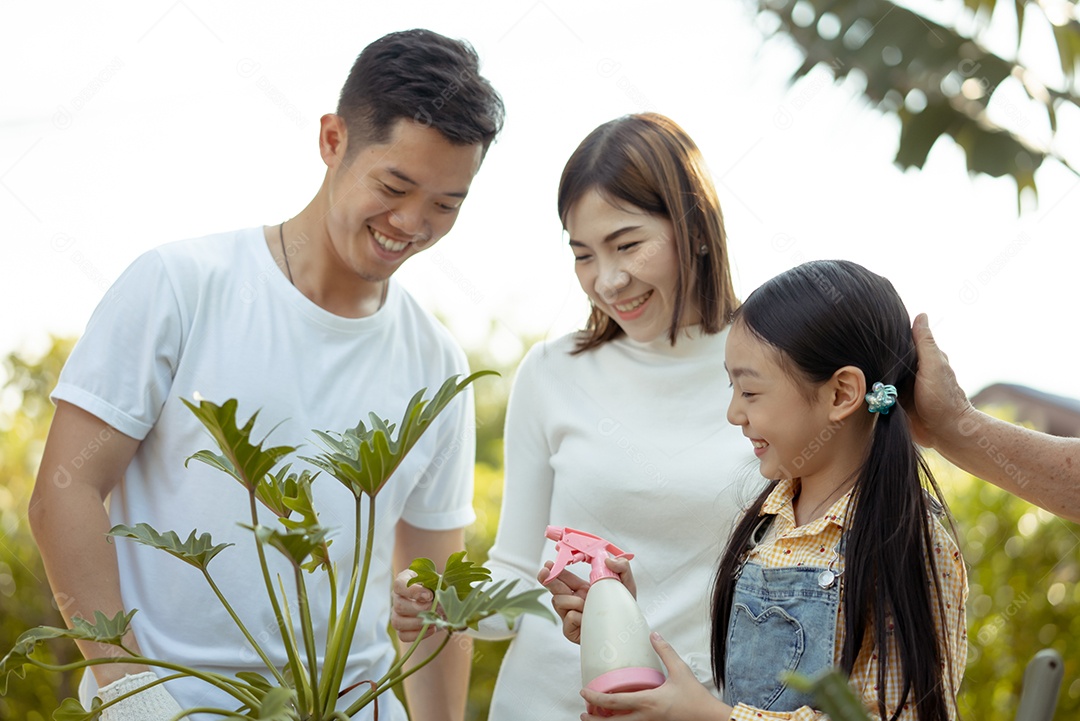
1049	413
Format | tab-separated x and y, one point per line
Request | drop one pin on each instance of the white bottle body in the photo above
614	634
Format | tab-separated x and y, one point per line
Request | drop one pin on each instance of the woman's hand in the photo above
568	593
408	603
681	698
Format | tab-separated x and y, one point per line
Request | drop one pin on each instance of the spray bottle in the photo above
616	654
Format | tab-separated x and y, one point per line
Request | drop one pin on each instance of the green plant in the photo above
362	459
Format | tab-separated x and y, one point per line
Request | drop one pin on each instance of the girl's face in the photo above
788	428
627	263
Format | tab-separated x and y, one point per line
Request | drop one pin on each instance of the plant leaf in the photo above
295	544
103	630
245	461
279	704
459	574
363	459
72	710
195	551
482	601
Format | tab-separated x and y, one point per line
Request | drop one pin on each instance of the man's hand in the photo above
408	603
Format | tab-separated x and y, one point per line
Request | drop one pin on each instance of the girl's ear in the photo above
846	392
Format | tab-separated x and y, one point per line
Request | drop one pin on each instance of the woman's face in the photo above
627	263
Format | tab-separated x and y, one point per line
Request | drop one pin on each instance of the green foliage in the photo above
195	551
245	461
1023	569
25	598
459	574
902	54
362	460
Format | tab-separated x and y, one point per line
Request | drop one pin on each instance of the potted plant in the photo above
362	459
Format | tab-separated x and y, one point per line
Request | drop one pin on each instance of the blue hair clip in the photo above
881	398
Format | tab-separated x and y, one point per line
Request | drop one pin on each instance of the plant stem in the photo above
386	681
243	629
232	686
309	637
290	651
342	656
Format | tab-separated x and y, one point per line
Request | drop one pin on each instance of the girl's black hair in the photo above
821	316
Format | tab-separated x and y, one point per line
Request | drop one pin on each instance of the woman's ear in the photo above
846	392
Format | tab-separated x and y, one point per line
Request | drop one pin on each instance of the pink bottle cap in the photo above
623	680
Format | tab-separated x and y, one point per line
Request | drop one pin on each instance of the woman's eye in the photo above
581	258
392	191
447	208
628	246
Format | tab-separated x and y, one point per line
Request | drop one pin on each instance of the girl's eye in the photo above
393	191
447	208
581	258
748	395
628	246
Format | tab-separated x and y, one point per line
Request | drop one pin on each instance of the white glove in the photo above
153	704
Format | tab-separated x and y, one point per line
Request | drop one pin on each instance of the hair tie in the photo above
881	398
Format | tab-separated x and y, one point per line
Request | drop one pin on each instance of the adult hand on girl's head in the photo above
681	698
568	592
939	404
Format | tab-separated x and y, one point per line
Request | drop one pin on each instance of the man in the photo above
1040	468
302	322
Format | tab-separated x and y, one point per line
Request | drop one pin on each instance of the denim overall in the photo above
782	619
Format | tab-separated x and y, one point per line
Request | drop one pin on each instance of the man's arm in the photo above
83	460
439	690
1040	468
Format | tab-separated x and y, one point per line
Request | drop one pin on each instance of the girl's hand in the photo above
568	593
681	698
408	603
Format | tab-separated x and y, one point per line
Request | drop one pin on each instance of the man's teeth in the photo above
627	307
392	245
760	444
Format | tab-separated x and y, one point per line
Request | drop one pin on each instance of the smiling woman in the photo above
606	430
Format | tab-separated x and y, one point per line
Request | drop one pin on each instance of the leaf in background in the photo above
245	461
363	460
195	551
832	694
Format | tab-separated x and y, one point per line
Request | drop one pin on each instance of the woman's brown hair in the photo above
649	162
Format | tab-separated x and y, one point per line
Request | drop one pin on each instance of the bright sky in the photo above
159	120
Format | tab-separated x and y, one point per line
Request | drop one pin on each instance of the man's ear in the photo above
846	392
333	139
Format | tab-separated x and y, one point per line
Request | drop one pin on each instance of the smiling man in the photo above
303	322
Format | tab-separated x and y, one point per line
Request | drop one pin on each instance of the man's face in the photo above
391	200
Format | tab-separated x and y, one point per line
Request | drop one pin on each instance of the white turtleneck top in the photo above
628	441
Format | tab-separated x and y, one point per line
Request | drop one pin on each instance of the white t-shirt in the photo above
216	316
628	441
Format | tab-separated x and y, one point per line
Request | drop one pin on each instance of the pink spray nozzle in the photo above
574	546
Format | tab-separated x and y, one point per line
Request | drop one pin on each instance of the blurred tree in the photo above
940	80
25	598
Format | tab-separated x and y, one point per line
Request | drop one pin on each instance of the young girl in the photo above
842	560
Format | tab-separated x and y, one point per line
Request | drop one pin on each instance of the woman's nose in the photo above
610	281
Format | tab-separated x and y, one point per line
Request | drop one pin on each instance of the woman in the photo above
618	429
